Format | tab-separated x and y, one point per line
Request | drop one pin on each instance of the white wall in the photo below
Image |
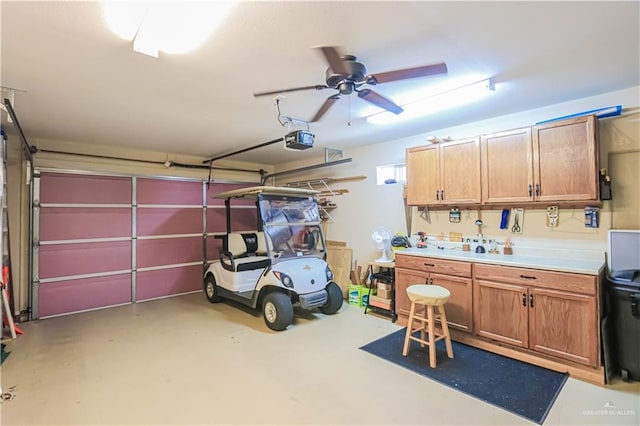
367	205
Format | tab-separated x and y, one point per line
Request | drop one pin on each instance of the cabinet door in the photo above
501	312
459	306
460	172
564	325
423	175
405	278
507	167
566	160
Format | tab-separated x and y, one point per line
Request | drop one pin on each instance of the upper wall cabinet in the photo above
552	162
447	173
507	169
565	160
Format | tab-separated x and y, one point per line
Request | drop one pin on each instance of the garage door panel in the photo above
89	293
216	220
218	188
162	221
159	191
83	189
244	220
82	223
168	251
158	283
214	245
84	258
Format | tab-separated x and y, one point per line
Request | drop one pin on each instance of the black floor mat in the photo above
521	388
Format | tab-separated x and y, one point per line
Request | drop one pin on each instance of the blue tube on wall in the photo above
599	113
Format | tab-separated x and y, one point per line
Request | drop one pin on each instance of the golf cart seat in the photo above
244	252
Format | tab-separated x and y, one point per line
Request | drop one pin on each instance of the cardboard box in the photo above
380	302
384	294
384	286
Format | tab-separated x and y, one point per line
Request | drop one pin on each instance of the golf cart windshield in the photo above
291	226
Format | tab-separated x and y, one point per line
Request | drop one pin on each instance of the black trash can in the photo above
624	305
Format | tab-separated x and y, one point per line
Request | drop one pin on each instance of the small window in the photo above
393	173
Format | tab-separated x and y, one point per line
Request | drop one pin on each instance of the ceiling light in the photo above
447	99
170	27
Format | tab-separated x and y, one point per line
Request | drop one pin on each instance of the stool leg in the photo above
445	330
423	327
432	335
405	349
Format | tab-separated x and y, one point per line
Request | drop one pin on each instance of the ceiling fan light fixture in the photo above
457	97
170	27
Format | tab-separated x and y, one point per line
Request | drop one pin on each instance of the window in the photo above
393	173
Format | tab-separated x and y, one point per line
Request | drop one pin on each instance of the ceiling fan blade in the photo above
294	89
332	56
405	74
325	107
379	100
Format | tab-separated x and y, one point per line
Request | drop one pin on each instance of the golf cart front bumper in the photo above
313	300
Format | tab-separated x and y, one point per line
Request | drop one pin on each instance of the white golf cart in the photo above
281	265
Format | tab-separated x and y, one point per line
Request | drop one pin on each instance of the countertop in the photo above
556	263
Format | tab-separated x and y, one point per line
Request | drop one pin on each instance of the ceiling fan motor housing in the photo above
357	72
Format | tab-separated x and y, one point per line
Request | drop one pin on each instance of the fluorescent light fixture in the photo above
441	101
170	27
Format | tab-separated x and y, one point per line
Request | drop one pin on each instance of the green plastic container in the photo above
353	295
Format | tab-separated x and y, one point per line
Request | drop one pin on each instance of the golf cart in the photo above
279	266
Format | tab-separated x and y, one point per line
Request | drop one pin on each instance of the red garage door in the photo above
84	255
106	241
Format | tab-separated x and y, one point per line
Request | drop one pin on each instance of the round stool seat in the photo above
428	294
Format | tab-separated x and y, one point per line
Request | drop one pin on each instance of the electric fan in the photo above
381	238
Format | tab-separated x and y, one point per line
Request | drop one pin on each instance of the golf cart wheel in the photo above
334	299
211	289
277	311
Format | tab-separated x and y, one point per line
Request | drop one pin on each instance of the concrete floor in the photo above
184	361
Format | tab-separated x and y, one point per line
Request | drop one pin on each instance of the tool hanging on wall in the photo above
592	217
518	220
504	223
553	219
454	215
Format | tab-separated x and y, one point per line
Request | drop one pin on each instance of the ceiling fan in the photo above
346	75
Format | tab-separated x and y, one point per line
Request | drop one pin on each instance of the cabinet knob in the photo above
442	194
530	190
438	194
531	300
528	277
537	189
524	299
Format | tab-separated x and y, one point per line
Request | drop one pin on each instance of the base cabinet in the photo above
563	325
500	314
421	270
558	322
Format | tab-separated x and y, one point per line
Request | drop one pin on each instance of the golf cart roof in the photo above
253	191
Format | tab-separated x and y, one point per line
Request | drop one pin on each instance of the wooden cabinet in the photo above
554	313
423	171
501	313
455	276
565	160
447	173
507	167
552	162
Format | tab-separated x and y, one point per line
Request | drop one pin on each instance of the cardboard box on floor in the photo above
339	260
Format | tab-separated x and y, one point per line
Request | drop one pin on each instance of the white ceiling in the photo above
85	84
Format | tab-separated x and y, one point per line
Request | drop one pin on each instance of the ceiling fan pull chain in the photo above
349	108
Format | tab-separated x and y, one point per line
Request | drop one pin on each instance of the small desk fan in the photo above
381	238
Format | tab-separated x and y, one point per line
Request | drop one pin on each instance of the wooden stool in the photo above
429	297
